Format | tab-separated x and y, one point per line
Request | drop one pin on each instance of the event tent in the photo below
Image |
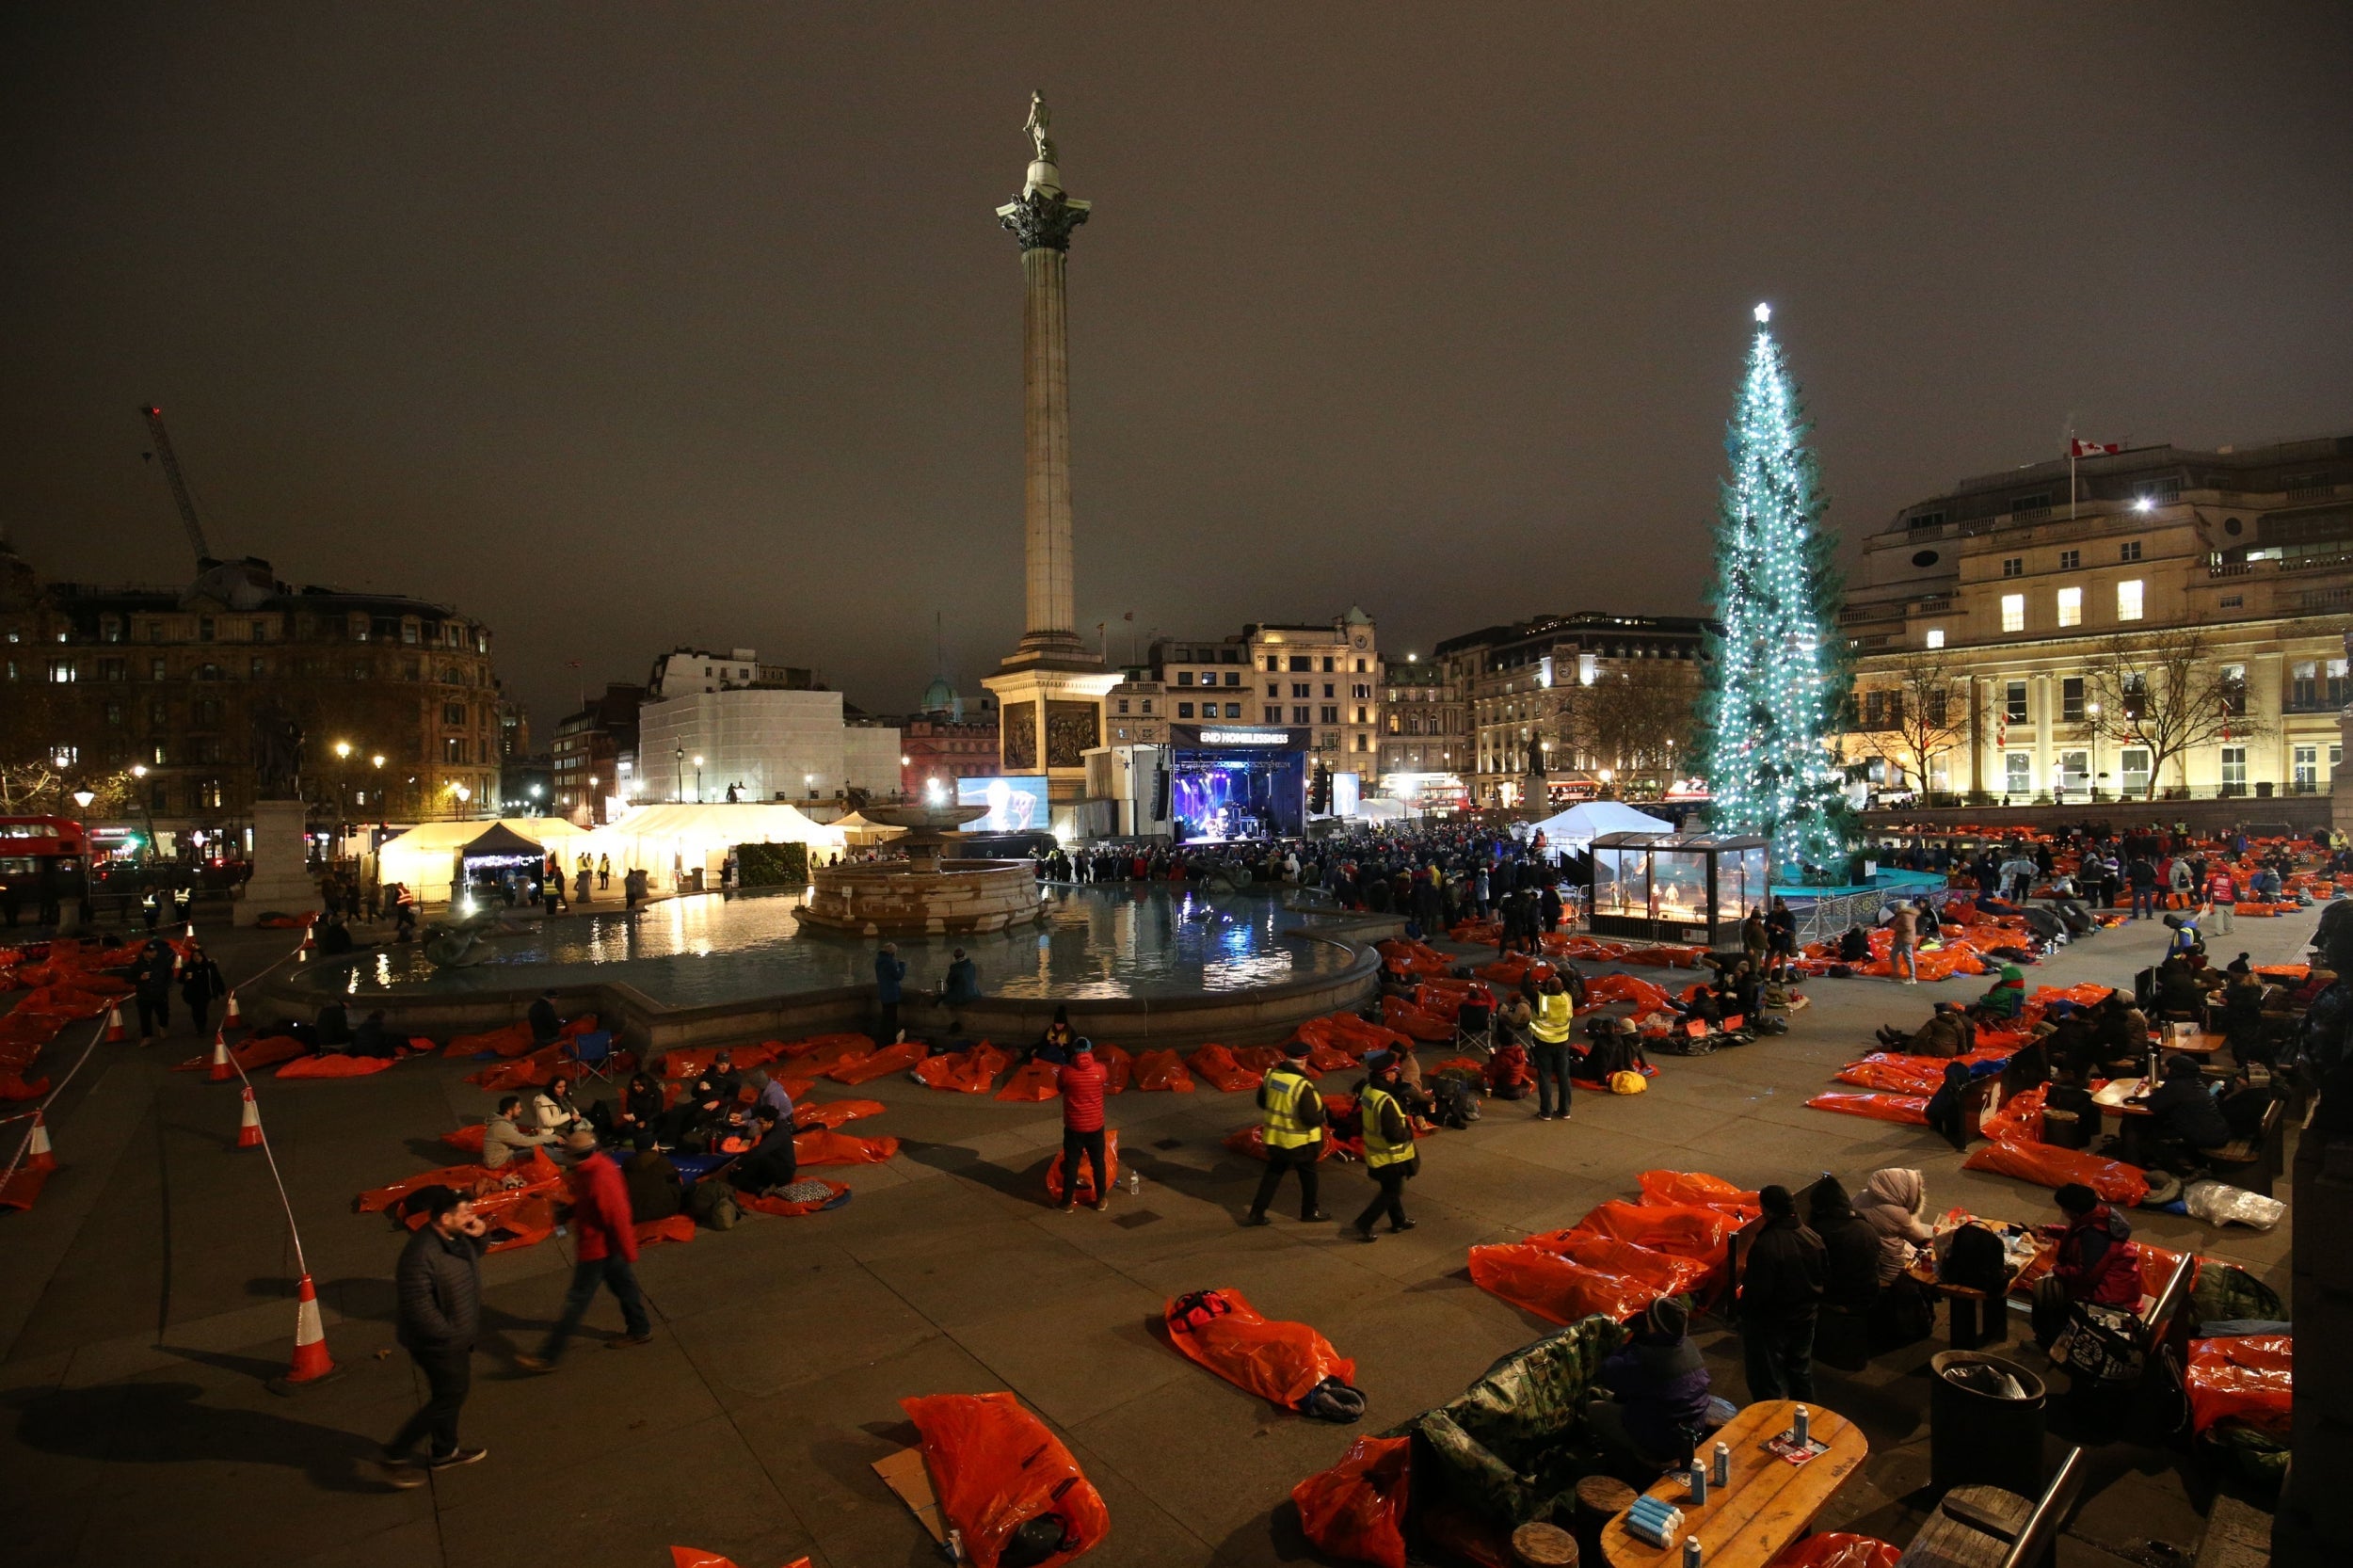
671	843
1581	824
863	833
426	858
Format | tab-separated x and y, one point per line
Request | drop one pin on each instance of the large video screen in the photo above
1015	805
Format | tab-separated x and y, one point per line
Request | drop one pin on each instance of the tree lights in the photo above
1777	676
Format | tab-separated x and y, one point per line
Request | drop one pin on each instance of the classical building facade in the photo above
1322	677
2011	602
1425	730
945	741
160	691
1589	703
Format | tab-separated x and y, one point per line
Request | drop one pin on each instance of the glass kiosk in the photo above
1689	887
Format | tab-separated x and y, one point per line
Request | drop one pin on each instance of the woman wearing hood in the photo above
1661	1387
1890	1206
1850	1288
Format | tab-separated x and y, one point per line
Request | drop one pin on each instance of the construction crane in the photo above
163	454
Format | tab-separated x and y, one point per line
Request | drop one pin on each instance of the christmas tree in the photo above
1777	675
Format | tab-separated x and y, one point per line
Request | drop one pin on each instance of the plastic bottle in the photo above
1135	1183
1723	1465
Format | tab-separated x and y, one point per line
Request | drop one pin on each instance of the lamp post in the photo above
679	792
2092	712
343	794
698	781
147	806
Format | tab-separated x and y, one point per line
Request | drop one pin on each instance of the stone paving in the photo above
145	1299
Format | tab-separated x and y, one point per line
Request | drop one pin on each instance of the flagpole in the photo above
2070	473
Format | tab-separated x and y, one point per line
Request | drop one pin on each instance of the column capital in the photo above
1043	220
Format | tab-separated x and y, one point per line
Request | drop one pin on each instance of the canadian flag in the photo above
2092	449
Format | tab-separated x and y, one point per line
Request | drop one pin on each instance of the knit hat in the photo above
1668	1317
2075	1198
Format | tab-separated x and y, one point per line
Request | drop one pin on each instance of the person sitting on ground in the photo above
769	1090
772	1161
372	1038
1946	1033
552	1108
504	1139
1618	1048
2094	1261
333	1032
1741	992
1855	946
2185	1121
1054	1045
691	1123
962	982
1660	1387
2005	999
545	1026
724	1079
639	1109
1508	1075
656	1191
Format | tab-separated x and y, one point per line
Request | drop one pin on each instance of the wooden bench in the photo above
1973	1320
2254	1163
1984	1527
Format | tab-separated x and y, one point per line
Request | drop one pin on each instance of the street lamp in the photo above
82	797
147	806
679	792
698	780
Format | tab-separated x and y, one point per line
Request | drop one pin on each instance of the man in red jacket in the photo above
1081	1079
607	1236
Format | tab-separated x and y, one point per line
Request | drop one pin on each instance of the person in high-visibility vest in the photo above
1390	1157
1550	1028
1293	1130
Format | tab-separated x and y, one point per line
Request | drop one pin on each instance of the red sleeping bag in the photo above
2051	1166
881	1063
1215	1065
994	1467
1087	1171
2249	1380
826	1147
963	1072
1912	1109
333	1066
1162	1070
1036	1081
1355	1511
1274	1360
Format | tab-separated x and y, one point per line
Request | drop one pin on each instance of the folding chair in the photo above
591	1054
1475	1027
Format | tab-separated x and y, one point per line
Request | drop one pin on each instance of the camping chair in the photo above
1475	1027
591	1054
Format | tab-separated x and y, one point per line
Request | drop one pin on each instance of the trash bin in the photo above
1978	1436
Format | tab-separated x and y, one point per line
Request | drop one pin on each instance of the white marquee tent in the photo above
670	842
426	858
1581	824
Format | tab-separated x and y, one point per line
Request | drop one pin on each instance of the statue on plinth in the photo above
1041	119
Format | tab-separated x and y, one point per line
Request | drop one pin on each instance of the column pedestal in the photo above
281	882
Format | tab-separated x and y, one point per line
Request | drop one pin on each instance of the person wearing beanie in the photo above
1081	1080
1390	1158
1784	1270
2093	1263
1293	1134
605	1234
1660	1385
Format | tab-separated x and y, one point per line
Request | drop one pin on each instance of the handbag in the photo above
2101	1343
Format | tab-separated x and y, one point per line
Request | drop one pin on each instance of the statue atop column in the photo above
1041	119
1043	215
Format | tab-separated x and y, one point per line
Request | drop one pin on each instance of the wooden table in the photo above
1768	1504
2113	1095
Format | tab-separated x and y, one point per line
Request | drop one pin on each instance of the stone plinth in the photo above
958	899
281	882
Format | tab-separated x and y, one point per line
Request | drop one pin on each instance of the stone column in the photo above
1042	218
281	882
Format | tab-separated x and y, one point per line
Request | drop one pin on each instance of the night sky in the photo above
621	327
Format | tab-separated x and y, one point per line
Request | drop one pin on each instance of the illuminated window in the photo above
2014	611
1936	636
2071	607
2128	600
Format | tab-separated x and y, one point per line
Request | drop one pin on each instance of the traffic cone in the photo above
190	932
114	1024
36	1152
249	1122
310	1361
235	1016
222	1069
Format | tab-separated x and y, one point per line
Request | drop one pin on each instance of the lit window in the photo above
2128	600
2014	611
2071	607
1936	636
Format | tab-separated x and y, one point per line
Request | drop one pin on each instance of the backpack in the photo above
1628	1083
714	1203
1333	1401
1197	1309
1453	1105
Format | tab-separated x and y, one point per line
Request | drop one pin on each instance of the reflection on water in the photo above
1096	942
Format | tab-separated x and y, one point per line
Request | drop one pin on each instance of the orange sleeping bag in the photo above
1275	1360
994	1465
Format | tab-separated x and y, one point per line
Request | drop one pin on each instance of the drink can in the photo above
1723	1465
1800	1422
1692	1551
1696	1479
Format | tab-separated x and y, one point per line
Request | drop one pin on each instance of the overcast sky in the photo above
621	327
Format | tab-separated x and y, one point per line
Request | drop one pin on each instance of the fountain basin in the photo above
927	897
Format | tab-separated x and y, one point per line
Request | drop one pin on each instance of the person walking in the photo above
1293	1133
2222	893
152	984
438	1287
201	985
1902	931
607	1253
1783	1270
1390	1158
889	969
1082	1081
1549	1025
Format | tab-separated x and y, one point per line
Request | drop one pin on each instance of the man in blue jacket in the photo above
1661	1387
889	969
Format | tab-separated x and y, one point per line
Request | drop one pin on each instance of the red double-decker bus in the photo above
44	864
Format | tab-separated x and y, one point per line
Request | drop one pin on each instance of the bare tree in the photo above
1634	718
1914	718
2165	691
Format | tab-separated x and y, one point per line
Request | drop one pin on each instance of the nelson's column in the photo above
1050	692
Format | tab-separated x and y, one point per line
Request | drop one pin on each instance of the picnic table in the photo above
2117	1095
1770	1502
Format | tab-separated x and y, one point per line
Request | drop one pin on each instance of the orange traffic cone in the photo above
249	1122
114	1024
310	1361
235	1016
38	1156
190	932
222	1071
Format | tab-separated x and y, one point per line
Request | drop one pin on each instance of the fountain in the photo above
923	896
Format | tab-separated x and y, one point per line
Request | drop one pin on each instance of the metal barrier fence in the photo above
1826	919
